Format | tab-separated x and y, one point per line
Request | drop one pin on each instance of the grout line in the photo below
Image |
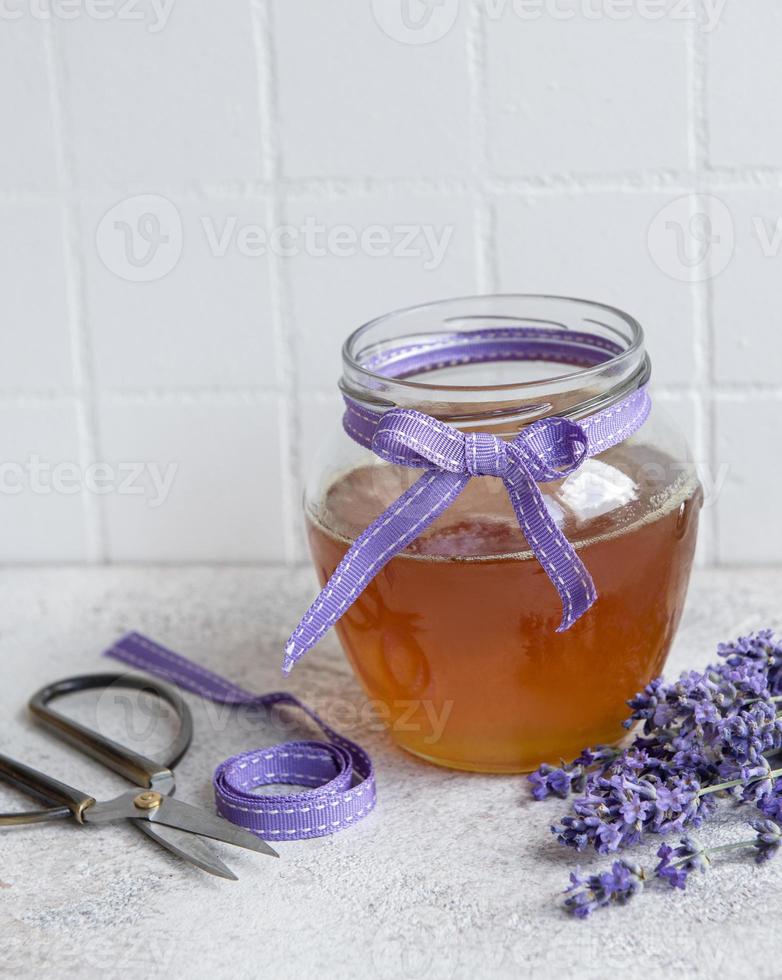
484	228
290	480
38	399
260	396
709	409
698	144
336	188
748	392
647	181
80	341
672	393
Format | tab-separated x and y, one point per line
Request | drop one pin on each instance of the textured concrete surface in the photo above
454	875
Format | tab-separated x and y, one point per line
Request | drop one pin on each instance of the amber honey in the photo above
455	640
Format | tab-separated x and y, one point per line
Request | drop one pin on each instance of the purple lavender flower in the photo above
676	863
596	754
769	838
548	781
758	781
569	777
771	804
618	807
645	704
750	732
587	893
675	875
761	648
677	804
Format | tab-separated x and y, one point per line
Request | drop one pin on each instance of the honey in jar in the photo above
456	637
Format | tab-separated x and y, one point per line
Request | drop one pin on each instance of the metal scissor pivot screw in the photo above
148	801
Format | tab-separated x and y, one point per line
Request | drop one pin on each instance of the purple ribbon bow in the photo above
549	449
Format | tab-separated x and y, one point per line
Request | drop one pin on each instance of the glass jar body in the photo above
455	640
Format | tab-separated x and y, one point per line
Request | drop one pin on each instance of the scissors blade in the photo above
181	816
187	846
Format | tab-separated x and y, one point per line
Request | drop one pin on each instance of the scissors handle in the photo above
65	800
135	767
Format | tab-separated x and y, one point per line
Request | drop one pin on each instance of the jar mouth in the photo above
356	351
408	357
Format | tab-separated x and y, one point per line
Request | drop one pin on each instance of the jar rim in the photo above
634	349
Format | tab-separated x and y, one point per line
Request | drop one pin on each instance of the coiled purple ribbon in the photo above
548	449
331	768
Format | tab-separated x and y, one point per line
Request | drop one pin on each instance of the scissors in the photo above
179	827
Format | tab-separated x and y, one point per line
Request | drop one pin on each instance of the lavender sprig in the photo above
570	777
587	893
625	879
704	734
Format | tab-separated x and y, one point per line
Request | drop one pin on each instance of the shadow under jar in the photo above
455	640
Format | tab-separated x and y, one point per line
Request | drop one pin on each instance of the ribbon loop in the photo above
411	438
552	448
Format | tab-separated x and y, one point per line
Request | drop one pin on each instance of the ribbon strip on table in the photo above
546	450
331	768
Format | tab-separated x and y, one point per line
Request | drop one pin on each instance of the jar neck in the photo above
496	363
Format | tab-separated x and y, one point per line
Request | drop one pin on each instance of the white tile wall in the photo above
596	243
150	157
206	323
174	104
748	345
42	503
219	461
743	73
354	103
34	299
331	293
29	157
750	430
555	85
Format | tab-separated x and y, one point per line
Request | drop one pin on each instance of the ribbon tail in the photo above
552	549
393	531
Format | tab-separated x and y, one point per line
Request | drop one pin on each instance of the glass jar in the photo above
455	640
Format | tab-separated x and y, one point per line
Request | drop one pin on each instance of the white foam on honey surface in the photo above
660	505
596	488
